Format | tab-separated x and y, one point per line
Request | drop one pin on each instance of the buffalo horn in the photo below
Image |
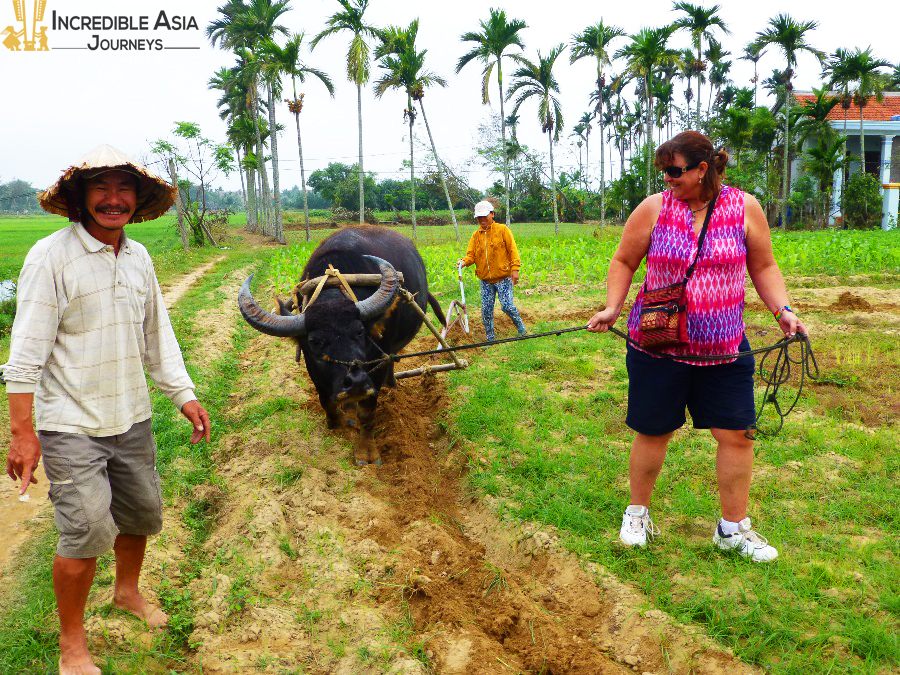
266	322
377	303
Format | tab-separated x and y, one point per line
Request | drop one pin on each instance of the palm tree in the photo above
232	109
699	22
403	44
646	52
404	67
733	127
790	36
536	80
578	133
585	122
753	53
718	73
858	72
839	80
811	118
823	161
894	79
351	19
287	61
594	42
245	28
496	36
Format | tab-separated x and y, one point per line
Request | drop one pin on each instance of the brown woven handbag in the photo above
663	319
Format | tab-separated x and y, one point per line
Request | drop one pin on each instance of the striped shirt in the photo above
87	324
715	291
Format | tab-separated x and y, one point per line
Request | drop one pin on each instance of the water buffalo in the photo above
340	339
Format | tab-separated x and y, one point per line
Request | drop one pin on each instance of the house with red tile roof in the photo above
881	154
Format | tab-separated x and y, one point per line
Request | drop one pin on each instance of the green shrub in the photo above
861	202
7	314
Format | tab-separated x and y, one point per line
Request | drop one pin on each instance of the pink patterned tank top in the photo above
715	291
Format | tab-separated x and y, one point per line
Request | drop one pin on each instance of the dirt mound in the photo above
848	301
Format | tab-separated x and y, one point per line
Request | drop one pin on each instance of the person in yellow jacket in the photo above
493	250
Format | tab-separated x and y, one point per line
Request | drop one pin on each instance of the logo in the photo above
11	36
103	32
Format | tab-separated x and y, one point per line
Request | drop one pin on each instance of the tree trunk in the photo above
603	173
440	169
362	196
302	175
252	220
503	135
260	158
276	187
862	140
185	243
787	153
237	152
587	160
412	173
553	184
699	75
649	135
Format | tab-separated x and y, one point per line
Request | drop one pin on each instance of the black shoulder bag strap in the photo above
709	210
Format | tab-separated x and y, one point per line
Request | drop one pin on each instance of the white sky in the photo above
59	104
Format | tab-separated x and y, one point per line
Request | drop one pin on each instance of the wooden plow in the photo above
457	308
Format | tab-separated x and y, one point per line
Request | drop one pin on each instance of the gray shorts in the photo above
100	487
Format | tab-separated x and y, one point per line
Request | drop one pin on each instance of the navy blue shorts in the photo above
659	390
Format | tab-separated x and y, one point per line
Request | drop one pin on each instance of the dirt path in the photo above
173	292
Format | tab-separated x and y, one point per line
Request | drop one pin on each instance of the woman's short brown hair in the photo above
695	148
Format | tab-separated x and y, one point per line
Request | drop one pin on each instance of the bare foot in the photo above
83	665
138	605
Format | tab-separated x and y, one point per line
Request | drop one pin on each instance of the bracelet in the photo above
778	312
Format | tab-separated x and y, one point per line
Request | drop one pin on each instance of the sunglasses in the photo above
677	171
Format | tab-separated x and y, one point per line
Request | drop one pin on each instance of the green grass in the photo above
825	494
18	234
547	419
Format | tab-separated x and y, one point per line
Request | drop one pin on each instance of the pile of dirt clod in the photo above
848	301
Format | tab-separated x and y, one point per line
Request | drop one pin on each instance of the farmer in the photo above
90	318
493	250
664	230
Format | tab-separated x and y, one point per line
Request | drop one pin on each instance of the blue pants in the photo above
504	290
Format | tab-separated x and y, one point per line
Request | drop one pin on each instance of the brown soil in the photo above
173	292
849	301
400	545
18	515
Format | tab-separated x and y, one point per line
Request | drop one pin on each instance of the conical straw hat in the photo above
64	197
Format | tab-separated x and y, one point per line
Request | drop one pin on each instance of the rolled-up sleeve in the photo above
35	326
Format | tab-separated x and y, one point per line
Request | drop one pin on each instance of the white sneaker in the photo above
636	526
746	542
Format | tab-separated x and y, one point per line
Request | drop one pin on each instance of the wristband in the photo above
778	312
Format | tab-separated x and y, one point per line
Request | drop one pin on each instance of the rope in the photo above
331	272
780	373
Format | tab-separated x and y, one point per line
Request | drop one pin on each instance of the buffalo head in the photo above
333	334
